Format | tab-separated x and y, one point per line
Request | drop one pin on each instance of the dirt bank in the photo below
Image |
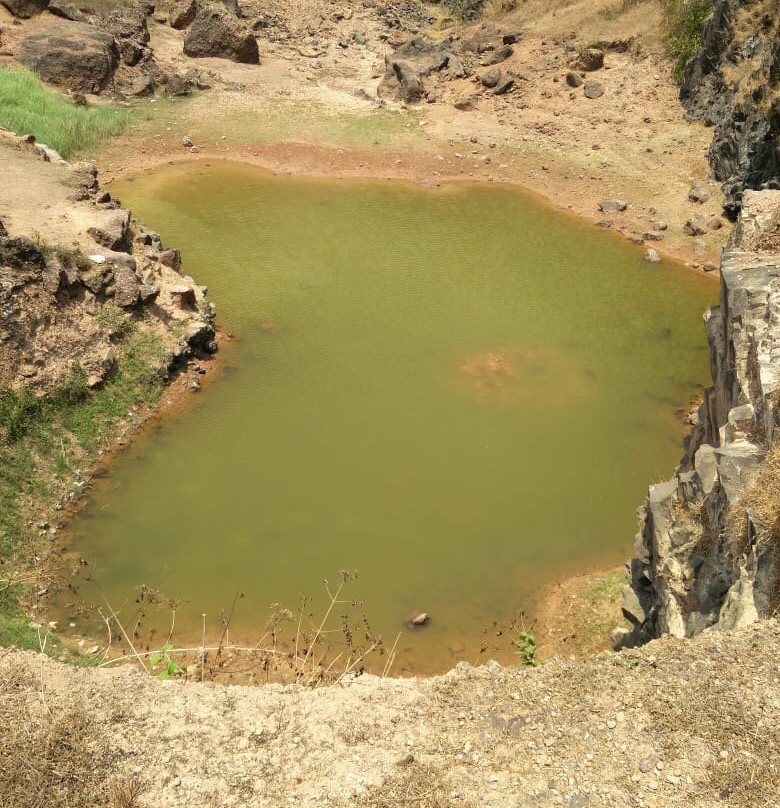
678	723
314	111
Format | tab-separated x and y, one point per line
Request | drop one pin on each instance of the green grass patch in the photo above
43	440
27	106
684	23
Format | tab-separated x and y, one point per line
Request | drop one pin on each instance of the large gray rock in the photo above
701	557
71	54
216	32
25	8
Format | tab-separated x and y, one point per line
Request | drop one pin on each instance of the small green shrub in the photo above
525	642
684	23
27	106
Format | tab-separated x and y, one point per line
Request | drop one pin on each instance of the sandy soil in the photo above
679	723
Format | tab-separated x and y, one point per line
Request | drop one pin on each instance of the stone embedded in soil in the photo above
499	55
574	79
505	84
490	78
695	226
593	89
466	103
590	59
612	205
699	193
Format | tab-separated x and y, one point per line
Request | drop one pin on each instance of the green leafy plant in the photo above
525	643
162	665
684	23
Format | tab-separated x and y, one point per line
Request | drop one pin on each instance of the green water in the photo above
463	396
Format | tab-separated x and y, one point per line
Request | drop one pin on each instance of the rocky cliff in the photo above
708	550
733	84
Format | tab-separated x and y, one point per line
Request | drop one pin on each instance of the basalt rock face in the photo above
733	84
702	558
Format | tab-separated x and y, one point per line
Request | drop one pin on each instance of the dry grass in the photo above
744	743
53	759
413	783
762	500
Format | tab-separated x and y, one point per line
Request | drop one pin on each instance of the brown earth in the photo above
311	108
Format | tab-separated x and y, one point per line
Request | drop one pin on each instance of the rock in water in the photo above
420	619
216	32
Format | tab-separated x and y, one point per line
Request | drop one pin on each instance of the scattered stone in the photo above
695	226
653	256
505	84
589	60
574	79
490	78
714	222
661	225
512	37
699	192
498	55
652	236
612	205
604	223
593	89
466	103
187	141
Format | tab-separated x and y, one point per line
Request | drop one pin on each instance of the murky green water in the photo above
460	394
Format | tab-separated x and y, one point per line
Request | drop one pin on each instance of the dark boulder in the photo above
25	8
61	8
589	60
182	14
70	54
216	32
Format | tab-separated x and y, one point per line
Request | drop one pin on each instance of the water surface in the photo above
459	393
